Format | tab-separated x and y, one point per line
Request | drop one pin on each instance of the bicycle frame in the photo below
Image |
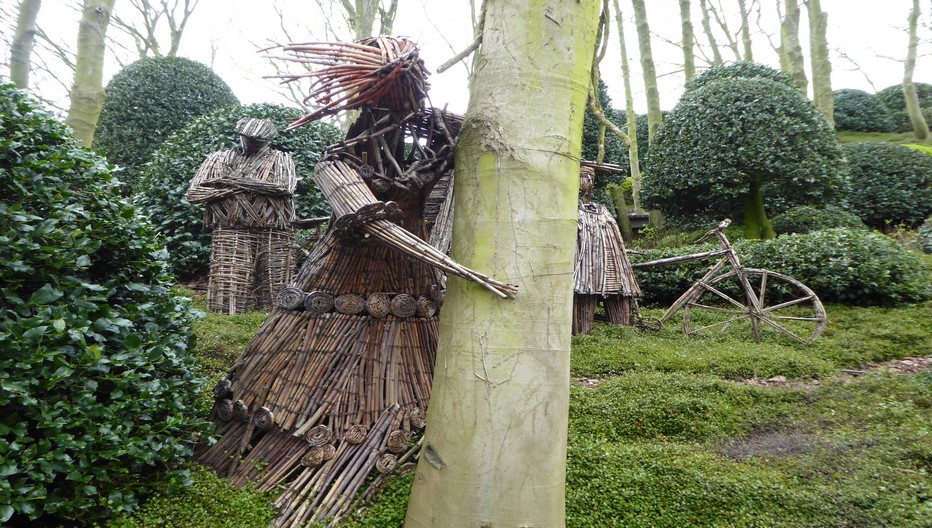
729	258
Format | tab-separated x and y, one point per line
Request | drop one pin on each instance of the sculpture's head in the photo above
586	183
255	133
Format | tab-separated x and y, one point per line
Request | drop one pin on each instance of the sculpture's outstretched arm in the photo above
359	213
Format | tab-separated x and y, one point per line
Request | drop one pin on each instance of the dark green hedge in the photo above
147	101
164	181
739	70
889	183
859	111
96	382
807	218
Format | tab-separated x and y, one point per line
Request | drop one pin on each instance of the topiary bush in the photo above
860	111
164	180
847	266
807	218
893	98
741	148
147	101
739	70
96	382
889	183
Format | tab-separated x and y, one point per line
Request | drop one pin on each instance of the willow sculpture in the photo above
602	272
339	374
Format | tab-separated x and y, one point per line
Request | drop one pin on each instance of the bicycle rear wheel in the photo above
788	308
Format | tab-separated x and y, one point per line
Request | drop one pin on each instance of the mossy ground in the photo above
667	430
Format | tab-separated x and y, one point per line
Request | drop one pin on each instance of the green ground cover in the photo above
667	430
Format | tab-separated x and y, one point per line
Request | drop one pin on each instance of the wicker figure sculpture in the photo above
602	271
340	372
250	209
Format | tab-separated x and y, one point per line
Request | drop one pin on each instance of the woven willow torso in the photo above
267	203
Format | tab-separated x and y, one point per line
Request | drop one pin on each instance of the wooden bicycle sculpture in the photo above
724	301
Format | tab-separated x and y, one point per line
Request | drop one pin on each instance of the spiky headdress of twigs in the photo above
383	71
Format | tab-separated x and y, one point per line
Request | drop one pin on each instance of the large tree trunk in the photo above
23	40
87	92
756	223
633	160
689	39
920	126
821	64
495	446
654	116
791	53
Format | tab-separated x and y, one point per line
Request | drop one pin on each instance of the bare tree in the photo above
87	92
146	34
689	39
707	28
791	53
630	114
820	62
23	41
920	126
748	53
654	116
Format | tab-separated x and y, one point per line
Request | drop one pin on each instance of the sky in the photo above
867	38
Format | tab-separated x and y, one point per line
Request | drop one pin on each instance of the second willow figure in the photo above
340	372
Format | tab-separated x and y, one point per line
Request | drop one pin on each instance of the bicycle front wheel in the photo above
787	308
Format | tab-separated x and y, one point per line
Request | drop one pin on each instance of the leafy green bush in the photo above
806	218
892	97
738	145
95	376
147	101
924	236
164	181
889	183
860	111
844	265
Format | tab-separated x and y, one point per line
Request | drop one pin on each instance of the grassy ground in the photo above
671	431
904	138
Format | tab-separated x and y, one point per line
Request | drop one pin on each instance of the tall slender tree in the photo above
689	39
631	116
913	108
495	446
23	41
747	52
649	72
820	62
791	52
87	92
707	29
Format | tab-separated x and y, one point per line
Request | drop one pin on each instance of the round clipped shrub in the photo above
741	148
889	183
806	218
844	265
893	98
739	70
96	382
147	101
859	111
165	179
